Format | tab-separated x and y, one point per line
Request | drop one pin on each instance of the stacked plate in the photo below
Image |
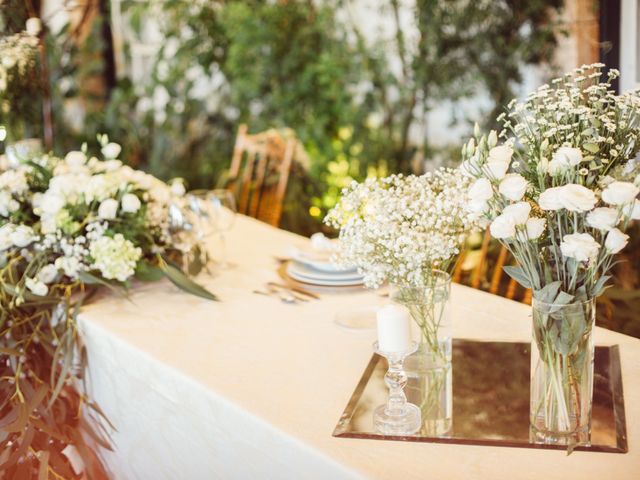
315	268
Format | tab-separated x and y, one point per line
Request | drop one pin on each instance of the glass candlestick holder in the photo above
397	416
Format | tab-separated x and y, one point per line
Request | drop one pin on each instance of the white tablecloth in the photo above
251	388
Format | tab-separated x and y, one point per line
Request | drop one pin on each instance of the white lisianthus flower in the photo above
498	161
75	159
22	236
615	241
503	227
8	205
518	212
5	236
563	159
108	209
513	186
632	210
71	266
535	227
572	197
479	193
50	203
33	26
580	246
130	203
603	218
115	258
47	274
620	193
36	287
111	150
177	187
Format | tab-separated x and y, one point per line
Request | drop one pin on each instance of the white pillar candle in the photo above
394	329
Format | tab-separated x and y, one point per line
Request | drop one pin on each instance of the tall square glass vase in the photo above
429	368
562	372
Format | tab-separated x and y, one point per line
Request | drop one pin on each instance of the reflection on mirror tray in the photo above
491	399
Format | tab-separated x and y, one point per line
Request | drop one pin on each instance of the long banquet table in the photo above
252	388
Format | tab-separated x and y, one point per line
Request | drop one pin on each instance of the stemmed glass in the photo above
215	212
224	209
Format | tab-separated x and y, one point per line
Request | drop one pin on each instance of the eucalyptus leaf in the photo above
518	275
548	293
180	280
591	147
599	287
148	272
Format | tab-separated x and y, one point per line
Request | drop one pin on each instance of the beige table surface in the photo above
250	387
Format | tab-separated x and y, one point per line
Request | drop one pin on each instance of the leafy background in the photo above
360	106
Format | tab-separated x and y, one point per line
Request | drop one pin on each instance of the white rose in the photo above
69	265
513	186
603	218
5	236
498	161
615	241
108	209
130	203
550	199
564	158
33	26
503	227
580	246
535	227
177	187
36	287
47	274
577	198
22	236
50	203
75	159
632	210
111	165
573	197
518	212
111	150
620	193
479	192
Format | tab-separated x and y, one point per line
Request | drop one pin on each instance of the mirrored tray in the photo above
491	399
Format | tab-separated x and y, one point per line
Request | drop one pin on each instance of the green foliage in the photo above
297	64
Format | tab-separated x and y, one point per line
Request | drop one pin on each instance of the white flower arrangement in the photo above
67	226
398	229
562	205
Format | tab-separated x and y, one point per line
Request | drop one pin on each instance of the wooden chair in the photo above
487	273
259	173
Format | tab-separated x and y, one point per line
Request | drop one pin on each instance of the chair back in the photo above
487	274
259	173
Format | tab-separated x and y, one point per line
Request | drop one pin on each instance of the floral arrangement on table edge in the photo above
560	193
68	226
402	230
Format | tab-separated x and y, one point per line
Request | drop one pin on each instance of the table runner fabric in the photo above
250	387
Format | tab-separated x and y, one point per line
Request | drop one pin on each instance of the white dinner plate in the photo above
318	260
305	274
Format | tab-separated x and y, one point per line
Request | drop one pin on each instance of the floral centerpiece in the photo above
559	193
408	231
68	225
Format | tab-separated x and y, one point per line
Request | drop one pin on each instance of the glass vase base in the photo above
406	422
437	428
581	436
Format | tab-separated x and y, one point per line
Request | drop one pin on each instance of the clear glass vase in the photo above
562	372
429	368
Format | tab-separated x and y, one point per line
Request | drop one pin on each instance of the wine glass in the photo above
214	215
223	205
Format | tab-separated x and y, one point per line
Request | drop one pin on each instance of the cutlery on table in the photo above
294	289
